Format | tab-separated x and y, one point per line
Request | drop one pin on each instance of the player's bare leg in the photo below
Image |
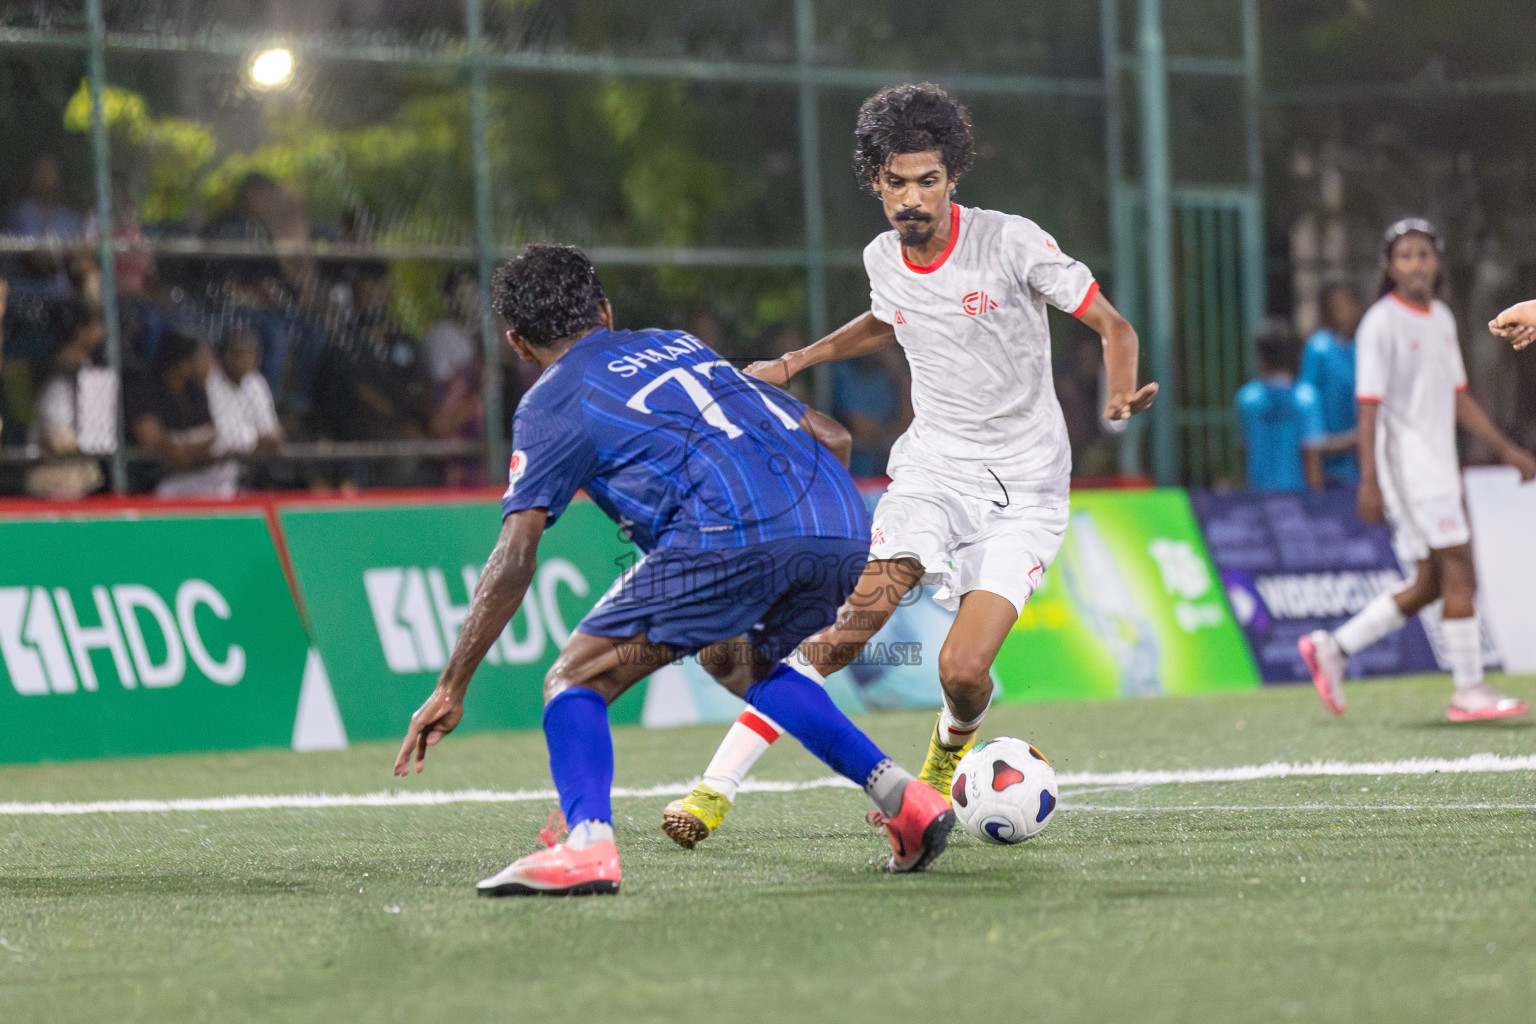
965	674
881	587
880	590
1473	699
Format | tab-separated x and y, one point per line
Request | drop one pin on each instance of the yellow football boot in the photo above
695	816
939	766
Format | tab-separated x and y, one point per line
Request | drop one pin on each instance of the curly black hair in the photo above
911	119
548	292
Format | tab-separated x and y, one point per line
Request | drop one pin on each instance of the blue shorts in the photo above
775	593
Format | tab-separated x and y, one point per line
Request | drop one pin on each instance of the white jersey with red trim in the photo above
973	327
1408	362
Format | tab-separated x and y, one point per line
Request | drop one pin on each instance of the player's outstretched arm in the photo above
832	435
1476	422
860	336
1120	353
1517	324
502	585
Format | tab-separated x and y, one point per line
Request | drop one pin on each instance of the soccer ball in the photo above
1004	791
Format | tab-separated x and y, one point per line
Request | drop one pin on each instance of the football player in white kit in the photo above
978	501
1412	390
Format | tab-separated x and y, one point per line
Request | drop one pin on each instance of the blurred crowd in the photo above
226	357
235	360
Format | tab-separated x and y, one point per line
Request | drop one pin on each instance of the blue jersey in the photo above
1328	364
1278	417
677	446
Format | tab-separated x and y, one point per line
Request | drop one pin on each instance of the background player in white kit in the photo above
978	501
1411	386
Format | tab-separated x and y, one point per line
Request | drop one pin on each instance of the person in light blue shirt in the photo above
1328	364
1281	419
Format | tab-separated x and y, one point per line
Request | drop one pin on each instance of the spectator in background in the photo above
372	385
239	400
138	301
453	342
872	397
168	414
1281	419
75	415
268	293
7	421
1328	365
455	365
1080	393
41	212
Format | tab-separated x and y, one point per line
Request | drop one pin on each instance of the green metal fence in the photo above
1170	232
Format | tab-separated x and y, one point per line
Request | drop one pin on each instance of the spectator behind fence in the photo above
372	385
452	343
1328	364
1080	391
8	423
41	212
244	415
75	415
453	361
871	395
268	293
168	414
1281	420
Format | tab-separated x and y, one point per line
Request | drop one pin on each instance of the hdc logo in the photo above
418	621
978	303
47	649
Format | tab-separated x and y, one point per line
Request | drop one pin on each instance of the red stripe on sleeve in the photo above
1368	399
1082	307
757	725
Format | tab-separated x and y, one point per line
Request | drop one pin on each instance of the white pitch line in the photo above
383	798
1474	764
1125	809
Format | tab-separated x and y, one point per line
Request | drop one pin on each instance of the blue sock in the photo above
808	714
580	754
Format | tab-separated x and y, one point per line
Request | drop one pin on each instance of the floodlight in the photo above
272	69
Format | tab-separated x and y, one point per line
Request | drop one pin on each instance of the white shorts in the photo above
1419	527
967	543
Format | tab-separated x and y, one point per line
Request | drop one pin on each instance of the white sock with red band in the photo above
1463	643
1377	619
954	733
749	738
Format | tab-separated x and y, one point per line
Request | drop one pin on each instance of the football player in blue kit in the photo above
753	534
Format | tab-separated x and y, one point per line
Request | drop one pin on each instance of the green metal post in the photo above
101	166
1121	232
1253	218
485	241
1157	189
810	186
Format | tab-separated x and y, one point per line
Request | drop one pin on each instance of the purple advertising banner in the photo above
1292	563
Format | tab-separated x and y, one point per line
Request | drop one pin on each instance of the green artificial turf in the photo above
1353	898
